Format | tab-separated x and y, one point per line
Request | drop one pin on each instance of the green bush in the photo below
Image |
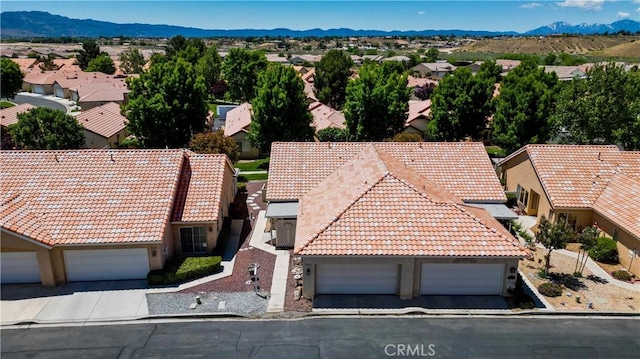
242	187
605	251
183	269
622	275
550	289
512	199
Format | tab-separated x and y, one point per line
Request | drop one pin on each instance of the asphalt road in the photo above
39	101
353	338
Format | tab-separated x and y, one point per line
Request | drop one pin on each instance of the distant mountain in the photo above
43	24
586	29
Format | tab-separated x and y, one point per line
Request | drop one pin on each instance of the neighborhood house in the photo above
392	218
83	215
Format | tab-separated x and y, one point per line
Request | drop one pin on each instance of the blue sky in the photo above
380	15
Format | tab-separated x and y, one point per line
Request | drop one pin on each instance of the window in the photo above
570	219
193	239
523	196
239	144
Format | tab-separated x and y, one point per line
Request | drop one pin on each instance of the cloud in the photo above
532	5
421	12
623	15
582	4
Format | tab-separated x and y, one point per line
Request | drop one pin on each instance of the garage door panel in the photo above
461	279
106	264
19	267
356	278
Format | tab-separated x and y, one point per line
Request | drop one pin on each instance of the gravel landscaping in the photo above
290	304
604	296
247	303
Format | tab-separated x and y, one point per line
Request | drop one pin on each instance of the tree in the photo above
332	134
425	91
46	63
552	236
208	67
132	61
10	78
240	70
432	55
406	137
167	105
460	106
214	142
603	108
331	78
43	128
280	111
102	63
587	239
376	103
524	106
90	50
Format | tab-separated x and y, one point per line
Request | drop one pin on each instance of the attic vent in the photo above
112	160
599	154
56	157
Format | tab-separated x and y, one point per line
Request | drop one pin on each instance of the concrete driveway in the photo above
73	302
48	101
393	302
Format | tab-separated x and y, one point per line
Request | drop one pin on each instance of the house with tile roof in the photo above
436	70
237	126
9	115
326	117
105	126
566	73
581	186
418	117
392	218
83	215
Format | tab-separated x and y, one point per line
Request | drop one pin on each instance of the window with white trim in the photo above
193	239
523	196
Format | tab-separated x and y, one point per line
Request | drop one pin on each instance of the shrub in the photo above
550	289
183	269
604	251
512	199
242	187
622	275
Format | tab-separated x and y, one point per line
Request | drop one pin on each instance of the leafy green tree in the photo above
46	63
604	108
132	61
460	106
209	67
189	49
214	142
90	50
376	103
331	78
10	78
102	63
587	239
406	137
332	134
552	236
43	128
240	70
167	105
280	111
523	107
432	55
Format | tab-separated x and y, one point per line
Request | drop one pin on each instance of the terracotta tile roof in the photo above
25	64
91	196
96	91
199	195
309	91
619	203
9	115
375	205
463	168
419	81
104	120
418	109
574	176
238	119
325	116
66	63
508	65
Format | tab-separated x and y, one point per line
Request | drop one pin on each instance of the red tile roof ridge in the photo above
553	145
486	217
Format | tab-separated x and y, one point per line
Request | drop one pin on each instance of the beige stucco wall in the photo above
93	140
410	270
51	261
626	243
248	152
212	230
520	171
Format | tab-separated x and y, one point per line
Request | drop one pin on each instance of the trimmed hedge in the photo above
550	289
183	269
604	251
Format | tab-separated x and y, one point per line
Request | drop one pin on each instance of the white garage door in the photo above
59	92
106	264
38	89
19	267
461	279
356	278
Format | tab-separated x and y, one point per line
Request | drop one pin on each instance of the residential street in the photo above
468	337
39	101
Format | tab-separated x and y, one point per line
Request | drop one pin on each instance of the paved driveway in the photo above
41	101
393	302
73	302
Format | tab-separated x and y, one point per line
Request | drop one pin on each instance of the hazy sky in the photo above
380	15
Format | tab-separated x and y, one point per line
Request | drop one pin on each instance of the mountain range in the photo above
44	24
